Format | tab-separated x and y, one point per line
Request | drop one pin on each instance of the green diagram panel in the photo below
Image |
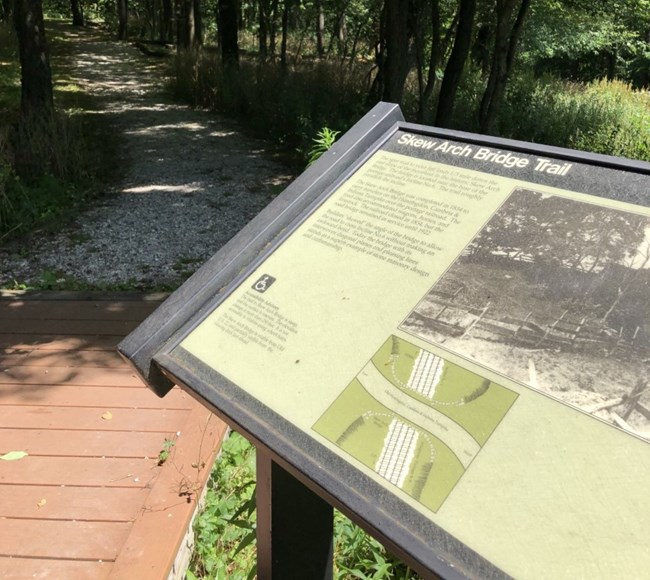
415	419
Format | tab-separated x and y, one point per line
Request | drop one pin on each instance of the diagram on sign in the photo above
415	419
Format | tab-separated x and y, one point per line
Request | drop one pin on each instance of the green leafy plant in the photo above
225	529
322	142
167	447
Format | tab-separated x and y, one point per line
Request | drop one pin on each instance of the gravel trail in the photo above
190	181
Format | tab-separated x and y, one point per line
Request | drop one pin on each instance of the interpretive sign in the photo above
449	338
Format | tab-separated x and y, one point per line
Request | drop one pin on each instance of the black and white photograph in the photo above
553	293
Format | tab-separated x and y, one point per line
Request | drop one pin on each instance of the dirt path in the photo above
189	180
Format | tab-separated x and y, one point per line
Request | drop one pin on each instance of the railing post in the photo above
294	526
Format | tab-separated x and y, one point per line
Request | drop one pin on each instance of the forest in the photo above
570	73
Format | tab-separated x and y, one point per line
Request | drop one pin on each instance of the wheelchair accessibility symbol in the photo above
263	283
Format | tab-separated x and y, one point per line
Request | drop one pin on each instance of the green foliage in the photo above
322	142
48	167
606	117
287	107
225	528
358	555
167	446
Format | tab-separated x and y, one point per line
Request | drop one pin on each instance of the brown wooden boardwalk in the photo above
90	500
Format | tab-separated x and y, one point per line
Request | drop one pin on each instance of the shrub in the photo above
289	105
604	116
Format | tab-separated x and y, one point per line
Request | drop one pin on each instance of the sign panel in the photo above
466	328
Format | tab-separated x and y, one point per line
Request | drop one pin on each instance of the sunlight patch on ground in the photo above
223	134
187	188
158	128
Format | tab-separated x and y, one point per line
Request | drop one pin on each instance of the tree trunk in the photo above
198	22
77	13
186	25
263	29
456	62
227	21
505	46
7	10
36	77
166	21
320	28
273	29
435	56
396	64
285	33
122	19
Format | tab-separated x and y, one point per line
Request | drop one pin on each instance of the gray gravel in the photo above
191	182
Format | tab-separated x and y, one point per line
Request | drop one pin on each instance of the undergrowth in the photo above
291	105
48	168
225	528
287	106
603	116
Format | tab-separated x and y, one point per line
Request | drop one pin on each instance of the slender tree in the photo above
36	77
77	13
320	28
228	25
165	27
505	45
6	10
122	19
397	34
456	62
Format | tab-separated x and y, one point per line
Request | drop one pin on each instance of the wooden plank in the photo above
83	443
70	327
41	569
62	539
55	341
64	358
75	310
79	471
89	396
136	420
156	536
27	375
116	504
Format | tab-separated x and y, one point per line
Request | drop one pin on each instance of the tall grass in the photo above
290	106
603	116
48	165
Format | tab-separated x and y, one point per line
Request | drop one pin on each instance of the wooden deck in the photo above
90	500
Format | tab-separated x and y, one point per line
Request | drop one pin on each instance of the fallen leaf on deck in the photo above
41	503
108	415
13	455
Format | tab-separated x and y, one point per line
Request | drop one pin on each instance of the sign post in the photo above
446	336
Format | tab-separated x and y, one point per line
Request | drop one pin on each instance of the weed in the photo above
322	142
218	553
167	446
48	169
225	529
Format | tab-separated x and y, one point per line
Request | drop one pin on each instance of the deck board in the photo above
55	341
46	417
90	499
90	396
27	375
65	442
64	358
64	539
117	504
48	569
